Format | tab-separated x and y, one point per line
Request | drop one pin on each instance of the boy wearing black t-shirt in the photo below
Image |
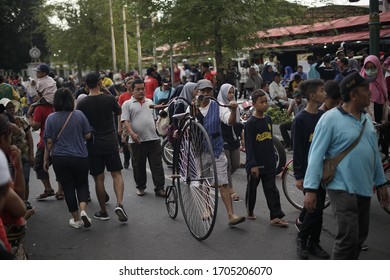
309	223
261	161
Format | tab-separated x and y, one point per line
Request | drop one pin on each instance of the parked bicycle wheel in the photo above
167	151
171	201
292	193
387	173
280	154
195	165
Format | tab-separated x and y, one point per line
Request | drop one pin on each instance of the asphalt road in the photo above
151	235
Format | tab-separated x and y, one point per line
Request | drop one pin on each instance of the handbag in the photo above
330	164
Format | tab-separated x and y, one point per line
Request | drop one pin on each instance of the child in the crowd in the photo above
261	161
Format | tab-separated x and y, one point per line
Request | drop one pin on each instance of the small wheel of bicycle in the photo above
195	164
387	173
171	201
167	151
280	155
292	193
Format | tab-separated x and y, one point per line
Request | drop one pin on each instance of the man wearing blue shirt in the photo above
361	169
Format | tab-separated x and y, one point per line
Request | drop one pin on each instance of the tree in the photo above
222	26
17	33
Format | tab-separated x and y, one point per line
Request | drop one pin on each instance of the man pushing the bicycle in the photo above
210	114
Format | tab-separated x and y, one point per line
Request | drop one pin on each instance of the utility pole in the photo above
139	48
375	25
114	68
125	39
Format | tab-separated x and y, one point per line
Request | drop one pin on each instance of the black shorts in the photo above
38	164
97	163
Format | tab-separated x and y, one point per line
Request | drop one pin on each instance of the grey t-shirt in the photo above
141	118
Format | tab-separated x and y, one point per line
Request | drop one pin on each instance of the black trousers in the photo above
312	221
151	151
270	191
72	173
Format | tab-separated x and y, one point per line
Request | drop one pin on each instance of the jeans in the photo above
352	215
270	191
151	151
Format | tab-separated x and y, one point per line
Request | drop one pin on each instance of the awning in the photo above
321	26
345	37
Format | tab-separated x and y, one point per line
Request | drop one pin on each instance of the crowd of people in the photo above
84	128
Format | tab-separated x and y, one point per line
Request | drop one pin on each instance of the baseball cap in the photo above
5	102
43	68
166	81
297	94
5	175
204	83
353	80
92	79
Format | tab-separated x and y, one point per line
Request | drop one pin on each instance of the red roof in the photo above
321	26
345	37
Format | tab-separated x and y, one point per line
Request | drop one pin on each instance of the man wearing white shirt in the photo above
278	92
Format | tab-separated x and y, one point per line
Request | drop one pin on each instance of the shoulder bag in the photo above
330	164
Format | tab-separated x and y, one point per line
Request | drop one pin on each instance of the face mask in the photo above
371	72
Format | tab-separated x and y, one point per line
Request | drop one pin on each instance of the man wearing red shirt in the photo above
121	131
150	83
207	73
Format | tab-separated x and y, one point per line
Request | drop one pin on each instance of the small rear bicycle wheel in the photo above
195	164
171	201
292	193
387	173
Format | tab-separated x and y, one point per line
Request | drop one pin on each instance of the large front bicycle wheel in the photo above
292	193
167	151
196	169
387	173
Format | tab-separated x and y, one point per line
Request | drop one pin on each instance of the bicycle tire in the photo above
280	154
195	164
291	192
387	174
171	201
167	151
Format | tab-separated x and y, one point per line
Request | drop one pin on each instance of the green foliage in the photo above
278	115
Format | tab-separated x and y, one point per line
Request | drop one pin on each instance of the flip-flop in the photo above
279	222
253	217
235	196
236	221
59	196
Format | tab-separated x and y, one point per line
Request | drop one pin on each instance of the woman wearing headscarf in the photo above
268	74
378	108
287	76
231	137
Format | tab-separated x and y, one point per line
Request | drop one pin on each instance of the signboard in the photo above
302	60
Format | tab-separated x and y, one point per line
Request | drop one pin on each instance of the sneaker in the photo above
126	164
122	216
75	224
298	224
302	250
364	247
101	216
140	192
86	220
317	251
160	192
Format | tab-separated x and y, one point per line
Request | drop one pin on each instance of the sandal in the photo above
279	222
59	196
235	196
251	217
45	195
